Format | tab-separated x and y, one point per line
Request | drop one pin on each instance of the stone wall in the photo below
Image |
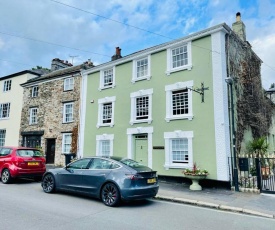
50	102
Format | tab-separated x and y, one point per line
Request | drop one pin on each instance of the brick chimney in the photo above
59	64
239	27
117	55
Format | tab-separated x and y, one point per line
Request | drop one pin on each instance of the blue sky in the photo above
33	32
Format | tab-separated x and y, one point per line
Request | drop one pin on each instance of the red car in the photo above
21	162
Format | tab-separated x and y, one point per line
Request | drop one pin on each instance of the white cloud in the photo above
59	24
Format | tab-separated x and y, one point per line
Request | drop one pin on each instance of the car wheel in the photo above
6	176
48	183
110	195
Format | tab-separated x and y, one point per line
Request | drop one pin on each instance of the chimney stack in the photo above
239	27
59	64
117	55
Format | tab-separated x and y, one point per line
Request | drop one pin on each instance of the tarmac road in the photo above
25	206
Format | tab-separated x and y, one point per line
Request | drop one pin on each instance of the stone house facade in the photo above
50	114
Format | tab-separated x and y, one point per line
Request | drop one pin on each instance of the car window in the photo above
114	166
100	164
5	152
131	163
29	153
80	164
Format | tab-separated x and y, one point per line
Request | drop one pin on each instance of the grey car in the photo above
110	179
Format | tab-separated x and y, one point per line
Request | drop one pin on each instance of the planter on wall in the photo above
195	181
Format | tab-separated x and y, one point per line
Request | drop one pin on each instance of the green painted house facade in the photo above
143	106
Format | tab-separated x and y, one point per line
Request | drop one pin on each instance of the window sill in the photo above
185	117
188	67
178	166
68	90
105	125
134	80
68	122
106	87
149	121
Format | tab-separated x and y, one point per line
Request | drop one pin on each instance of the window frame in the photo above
101	103
35	91
2	137
79	164
135	78
7	85
169	89
100	139
178	134
188	66
8	108
33	116
69	82
134	96
102	78
64	136
71	112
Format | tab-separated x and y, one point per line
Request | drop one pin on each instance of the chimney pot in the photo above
238	17
117	55
118	51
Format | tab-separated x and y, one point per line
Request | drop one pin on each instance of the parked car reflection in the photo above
110	179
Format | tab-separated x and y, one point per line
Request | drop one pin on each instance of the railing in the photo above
252	177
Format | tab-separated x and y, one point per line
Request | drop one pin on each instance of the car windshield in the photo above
29	153
131	163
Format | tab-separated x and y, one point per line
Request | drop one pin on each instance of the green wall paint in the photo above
204	151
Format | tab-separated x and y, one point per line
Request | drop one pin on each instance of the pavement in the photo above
219	198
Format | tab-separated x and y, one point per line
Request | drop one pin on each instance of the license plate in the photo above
150	181
33	163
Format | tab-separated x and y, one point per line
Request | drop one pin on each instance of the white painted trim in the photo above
168	157
64	112
54	78
68	79
103	137
31	116
169	67
134	70
221	118
178	86
83	98
102	101
101	80
130	144
155	49
134	95
63	138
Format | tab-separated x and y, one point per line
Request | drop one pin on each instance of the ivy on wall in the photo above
253	108
74	139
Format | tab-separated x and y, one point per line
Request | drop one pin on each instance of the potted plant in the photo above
195	174
258	147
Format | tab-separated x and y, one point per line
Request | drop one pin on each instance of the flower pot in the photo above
195	181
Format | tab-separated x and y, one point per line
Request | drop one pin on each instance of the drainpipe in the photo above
229	82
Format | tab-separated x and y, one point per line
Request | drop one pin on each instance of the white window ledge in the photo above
187	67
141	78
185	117
149	121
